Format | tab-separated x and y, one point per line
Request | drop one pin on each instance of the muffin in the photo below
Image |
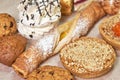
88	57
11	47
110	30
7	25
50	73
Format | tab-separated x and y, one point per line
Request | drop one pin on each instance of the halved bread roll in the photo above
88	57
106	30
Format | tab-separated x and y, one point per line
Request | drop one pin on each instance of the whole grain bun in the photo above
11	47
50	73
88	57
106	31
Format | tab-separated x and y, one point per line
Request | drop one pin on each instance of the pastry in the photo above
50	43
38	17
7	25
88	57
110	30
66	7
50	73
11	47
36	54
84	20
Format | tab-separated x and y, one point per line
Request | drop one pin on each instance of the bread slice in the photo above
66	7
106	32
88	57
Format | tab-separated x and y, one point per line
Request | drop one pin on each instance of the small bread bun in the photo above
66	7
88	57
107	33
50	73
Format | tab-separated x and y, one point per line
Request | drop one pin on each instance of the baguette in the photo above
105	29
88	57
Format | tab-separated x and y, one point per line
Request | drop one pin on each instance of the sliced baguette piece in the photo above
66	7
106	32
88	57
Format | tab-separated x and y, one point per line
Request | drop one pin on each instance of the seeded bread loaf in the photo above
88	57
107	33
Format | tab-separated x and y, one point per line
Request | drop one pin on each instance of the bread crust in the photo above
110	39
78	68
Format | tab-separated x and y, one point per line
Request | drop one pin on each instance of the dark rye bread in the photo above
88	57
105	29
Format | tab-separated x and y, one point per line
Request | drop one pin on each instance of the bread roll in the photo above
11	47
88	57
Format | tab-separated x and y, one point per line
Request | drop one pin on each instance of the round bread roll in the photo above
88	57
106	30
11	47
50	73
7	25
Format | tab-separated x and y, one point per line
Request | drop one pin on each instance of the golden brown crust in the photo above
28	61
66	7
7	25
35	54
50	73
11	47
106	32
88	57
